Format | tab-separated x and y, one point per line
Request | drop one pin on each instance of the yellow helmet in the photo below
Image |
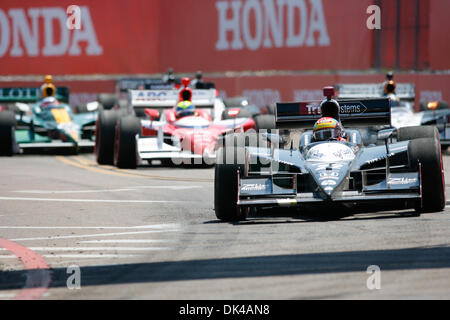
48	79
48	90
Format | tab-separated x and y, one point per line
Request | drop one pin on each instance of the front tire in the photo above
7	132
226	188
428	152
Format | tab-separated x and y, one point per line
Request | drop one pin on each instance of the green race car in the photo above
29	122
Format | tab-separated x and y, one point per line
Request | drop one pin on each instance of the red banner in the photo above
114	37
149	36
254	35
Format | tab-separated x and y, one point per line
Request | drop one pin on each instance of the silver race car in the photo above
340	177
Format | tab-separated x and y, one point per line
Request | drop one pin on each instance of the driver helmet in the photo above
327	128
48	89
389	87
185	108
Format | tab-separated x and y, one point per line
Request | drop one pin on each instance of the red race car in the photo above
179	127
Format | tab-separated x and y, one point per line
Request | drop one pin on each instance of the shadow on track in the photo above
259	266
274	216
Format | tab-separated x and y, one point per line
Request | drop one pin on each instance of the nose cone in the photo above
328	191
329	177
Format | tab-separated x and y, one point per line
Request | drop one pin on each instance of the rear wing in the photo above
163	99
123	85
404	91
30	95
353	113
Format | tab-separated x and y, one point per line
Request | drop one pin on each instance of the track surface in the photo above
151	233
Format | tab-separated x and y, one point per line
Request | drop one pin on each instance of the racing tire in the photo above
105	129
231	157
265	121
271	109
417	132
125	146
7	129
107	100
226	188
122	104
242	114
427	151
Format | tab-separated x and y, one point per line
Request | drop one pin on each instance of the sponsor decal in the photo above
150	95
19	93
286	202
328	183
255	24
253	187
20	31
353	108
333	166
401	181
326	175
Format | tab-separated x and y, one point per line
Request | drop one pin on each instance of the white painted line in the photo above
126	241
151	226
107	190
89	200
94	248
92	235
81	256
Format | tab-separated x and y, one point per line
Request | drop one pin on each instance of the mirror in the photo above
23	107
385	133
234	112
152	113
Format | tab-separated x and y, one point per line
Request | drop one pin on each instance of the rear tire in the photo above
265	121
107	100
7	131
105	129
417	132
125	147
428	152
242	114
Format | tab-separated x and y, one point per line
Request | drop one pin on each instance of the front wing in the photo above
263	192
154	148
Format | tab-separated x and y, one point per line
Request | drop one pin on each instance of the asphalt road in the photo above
151	233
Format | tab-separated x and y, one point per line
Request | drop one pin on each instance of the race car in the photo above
153	130
335	177
263	115
402	97
28	122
